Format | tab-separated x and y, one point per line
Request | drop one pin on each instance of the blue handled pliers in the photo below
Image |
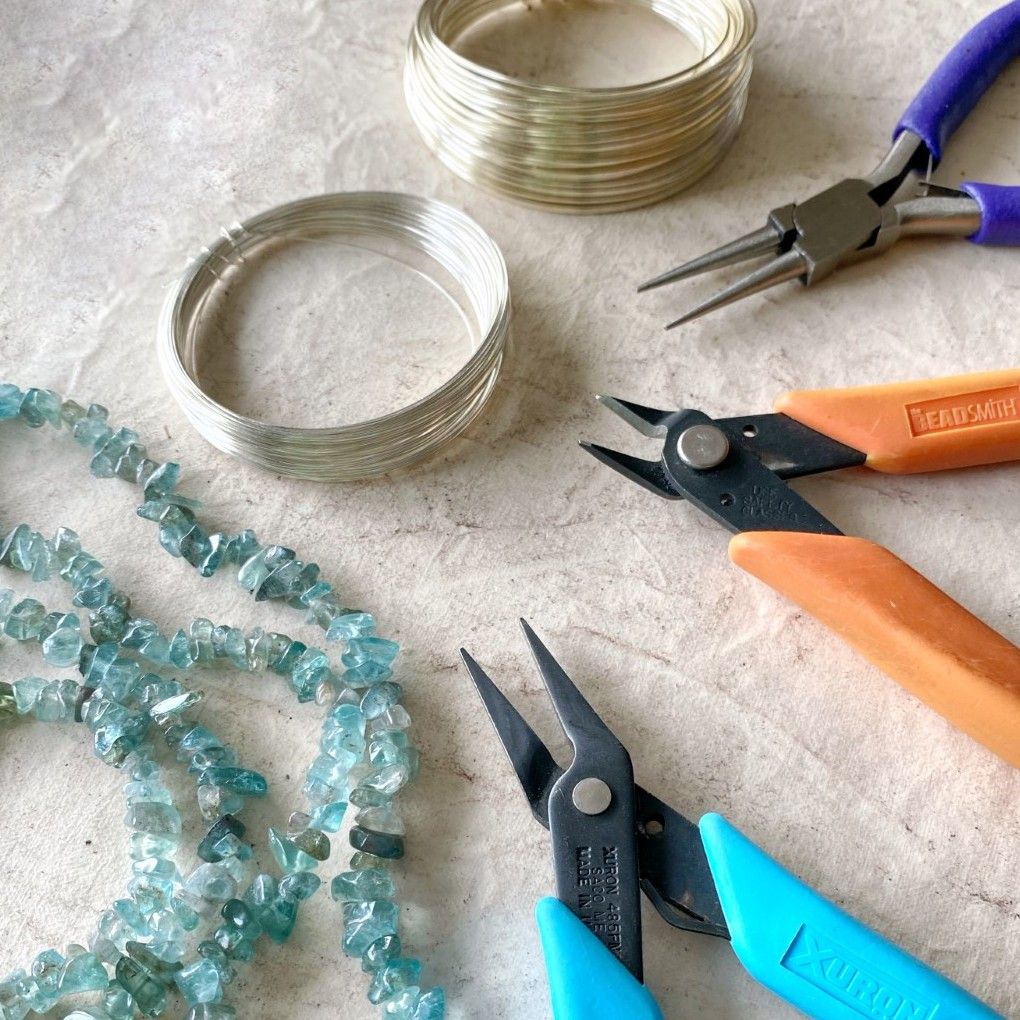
611	838
856	218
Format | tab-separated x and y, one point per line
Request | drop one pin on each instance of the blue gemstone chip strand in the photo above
185	934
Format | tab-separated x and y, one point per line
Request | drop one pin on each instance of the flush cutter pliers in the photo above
611	838
735	470
856	218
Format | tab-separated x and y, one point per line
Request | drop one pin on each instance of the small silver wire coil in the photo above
444	238
572	149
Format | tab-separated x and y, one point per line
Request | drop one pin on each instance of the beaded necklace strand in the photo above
141	951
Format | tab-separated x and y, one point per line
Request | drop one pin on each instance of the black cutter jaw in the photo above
746	490
671	866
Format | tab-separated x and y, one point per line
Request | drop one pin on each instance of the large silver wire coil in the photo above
446	239
573	149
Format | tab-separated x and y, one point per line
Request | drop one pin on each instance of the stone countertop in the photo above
133	131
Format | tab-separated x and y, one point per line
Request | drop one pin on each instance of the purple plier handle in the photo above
946	98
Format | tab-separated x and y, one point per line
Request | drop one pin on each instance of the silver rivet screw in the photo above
592	796
703	447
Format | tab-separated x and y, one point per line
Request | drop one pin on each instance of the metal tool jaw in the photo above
610	837
733	469
851	220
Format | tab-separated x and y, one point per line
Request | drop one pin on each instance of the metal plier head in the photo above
733	469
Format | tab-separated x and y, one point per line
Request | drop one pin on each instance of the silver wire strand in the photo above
581	150
449	240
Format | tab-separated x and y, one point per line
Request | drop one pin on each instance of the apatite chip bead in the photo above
56	701
379	844
10	401
381	819
366	921
12	1000
6	602
200	982
108	623
380	697
278	919
155	819
380	953
181	654
431	1005
288	854
214	556
214	802
148	993
63	646
201	633
366	884
39	407
361	860
15	550
176	705
211	1011
362	797
8	701
25	620
71	412
227	825
118	1003
162	970
329	817
403	1004
144	844
366	674
310	670
238	914
147	791
379	650
209	950
243	781
211	882
257	646
393	978
82	973
300	885
162	481
351	625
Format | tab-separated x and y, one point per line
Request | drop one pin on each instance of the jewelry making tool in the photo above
736	471
857	217
611	838
189	934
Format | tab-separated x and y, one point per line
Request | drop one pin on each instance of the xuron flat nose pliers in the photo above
735	470
611	838
857	218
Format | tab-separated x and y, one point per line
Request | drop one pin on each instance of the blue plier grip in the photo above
949	95
586	981
963	77
811	953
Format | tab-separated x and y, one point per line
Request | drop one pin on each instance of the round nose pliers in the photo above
857	217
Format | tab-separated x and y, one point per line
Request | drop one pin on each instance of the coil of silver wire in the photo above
445	238
572	149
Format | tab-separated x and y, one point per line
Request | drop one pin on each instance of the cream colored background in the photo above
131	132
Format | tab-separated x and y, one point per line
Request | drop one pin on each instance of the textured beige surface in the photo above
131	132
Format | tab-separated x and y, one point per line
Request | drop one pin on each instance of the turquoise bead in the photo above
366	921
367	884
200	982
237	780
